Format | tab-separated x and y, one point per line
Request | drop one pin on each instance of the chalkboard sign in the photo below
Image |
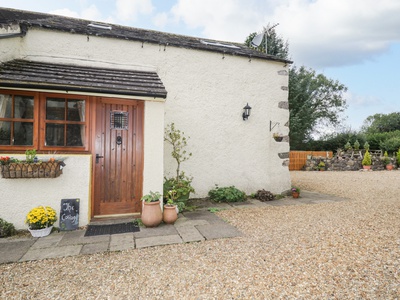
69	214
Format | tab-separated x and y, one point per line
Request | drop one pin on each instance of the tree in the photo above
276	45
313	99
379	123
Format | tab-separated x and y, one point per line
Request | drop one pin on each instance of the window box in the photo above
49	169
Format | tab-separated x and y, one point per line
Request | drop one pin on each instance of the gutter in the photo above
23	32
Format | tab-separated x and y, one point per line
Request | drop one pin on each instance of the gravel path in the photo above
342	250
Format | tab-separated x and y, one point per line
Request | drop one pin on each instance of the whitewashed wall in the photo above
19	196
206	94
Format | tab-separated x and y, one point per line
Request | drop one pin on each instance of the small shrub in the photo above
264	195
398	158
6	229
227	194
356	145
367	161
366	146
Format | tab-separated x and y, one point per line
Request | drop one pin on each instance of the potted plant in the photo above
321	166
386	161
170	213
151	210
40	220
295	192
367	161
277	137
366	146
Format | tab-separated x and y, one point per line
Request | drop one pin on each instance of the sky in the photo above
356	42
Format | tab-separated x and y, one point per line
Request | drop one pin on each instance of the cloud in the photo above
321	33
65	12
89	13
128	10
161	20
356	100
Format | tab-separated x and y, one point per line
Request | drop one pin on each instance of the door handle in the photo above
98	157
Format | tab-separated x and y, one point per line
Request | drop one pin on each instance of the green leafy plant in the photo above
321	165
227	194
386	159
178	141
366	146
367	161
180	184
347	146
30	155
356	145
398	158
214	209
295	189
151	197
6	228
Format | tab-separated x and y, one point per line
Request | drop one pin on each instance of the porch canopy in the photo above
49	76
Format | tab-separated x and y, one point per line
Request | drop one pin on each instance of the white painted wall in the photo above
19	196
153	147
206	94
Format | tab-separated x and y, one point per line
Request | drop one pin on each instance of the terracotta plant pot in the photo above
367	167
389	167
151	214
170	214
295	194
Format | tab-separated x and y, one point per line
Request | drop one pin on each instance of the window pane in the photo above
76	110
23	133
54	135
55	109
23	107
75	135
5	133
5	106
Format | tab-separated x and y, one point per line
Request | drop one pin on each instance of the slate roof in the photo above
29	74
59	23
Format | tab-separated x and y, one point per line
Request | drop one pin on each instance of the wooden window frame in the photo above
35	140
43	122
39	123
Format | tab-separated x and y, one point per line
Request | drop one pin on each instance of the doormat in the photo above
93	230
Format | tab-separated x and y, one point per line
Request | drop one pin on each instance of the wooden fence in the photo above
297	159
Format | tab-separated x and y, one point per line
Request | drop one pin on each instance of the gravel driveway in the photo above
342	250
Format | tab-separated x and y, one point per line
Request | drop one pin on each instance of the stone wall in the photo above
347	161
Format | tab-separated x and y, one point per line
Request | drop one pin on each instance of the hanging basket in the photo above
50	169
41	232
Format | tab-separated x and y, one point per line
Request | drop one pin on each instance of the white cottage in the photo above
100	96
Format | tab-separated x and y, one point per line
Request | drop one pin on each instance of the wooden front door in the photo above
118	156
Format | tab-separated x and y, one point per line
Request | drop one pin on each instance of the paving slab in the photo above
39	254
78	237
204	215
190	234
123	241
12	251
162	229
211	232
158	241
94	248
51	240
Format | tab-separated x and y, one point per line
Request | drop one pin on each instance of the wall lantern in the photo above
246	112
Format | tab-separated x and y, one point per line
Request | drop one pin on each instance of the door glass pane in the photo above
23	107
75	135
76	110
54	135
5	106
23	133
5	133
55	109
